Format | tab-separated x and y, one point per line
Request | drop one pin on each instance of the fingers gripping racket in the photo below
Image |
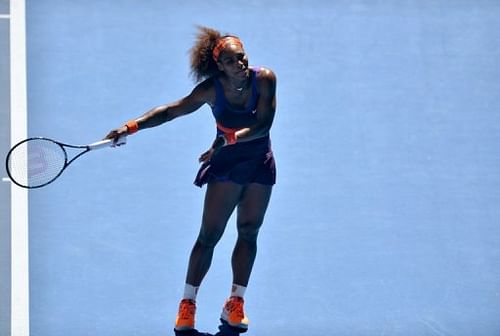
37	162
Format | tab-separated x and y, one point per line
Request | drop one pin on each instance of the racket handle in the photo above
107	143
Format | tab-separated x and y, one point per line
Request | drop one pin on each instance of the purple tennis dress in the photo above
244	162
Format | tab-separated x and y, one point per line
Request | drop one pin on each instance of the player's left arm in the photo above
266	108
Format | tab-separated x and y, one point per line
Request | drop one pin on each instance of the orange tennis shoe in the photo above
233	313
185	316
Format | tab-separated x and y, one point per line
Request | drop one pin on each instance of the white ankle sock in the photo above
238	290
190	292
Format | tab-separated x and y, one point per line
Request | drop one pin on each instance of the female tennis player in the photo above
238	168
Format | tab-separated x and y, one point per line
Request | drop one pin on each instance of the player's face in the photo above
234	61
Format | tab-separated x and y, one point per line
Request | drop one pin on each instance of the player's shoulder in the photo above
205	85
204	89
266	81
265	74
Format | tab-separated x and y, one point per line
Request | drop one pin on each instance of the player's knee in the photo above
209	238
248	232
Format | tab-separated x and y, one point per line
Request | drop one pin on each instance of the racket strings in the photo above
36	162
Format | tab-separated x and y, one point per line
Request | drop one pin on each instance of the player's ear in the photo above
219	66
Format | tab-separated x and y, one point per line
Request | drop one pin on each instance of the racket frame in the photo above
63	146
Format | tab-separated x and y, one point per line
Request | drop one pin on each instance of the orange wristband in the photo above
132	126
230	138
229	134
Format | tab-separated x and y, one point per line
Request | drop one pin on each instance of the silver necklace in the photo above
239	89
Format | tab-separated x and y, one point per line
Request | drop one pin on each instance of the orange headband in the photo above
223	43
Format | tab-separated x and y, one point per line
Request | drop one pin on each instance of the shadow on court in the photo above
224	330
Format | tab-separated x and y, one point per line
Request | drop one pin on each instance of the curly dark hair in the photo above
202	63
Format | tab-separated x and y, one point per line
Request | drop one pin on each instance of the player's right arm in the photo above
201	94
163	113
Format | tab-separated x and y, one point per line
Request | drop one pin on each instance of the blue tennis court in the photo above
385	216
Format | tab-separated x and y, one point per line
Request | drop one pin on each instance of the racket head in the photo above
35	162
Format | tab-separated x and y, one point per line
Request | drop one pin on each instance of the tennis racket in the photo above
37	162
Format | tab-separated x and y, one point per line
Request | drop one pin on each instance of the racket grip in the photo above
107	143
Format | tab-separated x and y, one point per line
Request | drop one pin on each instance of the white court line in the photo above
4	16
19	196
5	179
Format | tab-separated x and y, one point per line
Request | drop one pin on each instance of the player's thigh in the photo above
220	200
252	209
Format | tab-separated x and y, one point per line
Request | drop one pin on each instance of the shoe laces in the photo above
235	306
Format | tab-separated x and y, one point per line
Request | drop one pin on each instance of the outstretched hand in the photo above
116	135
